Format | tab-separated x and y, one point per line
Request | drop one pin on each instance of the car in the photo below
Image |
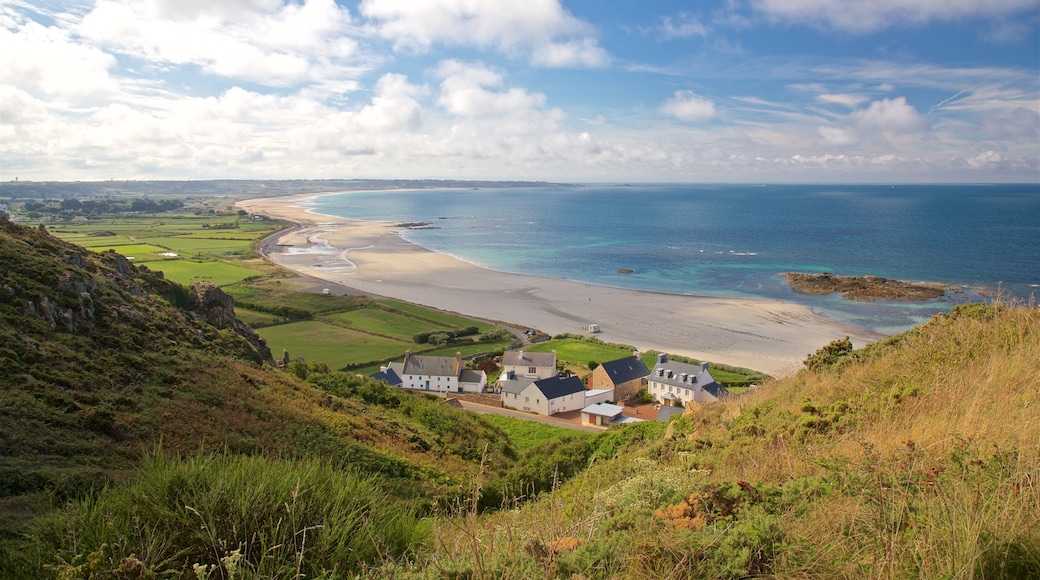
326	292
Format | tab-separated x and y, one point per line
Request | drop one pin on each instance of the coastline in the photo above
371	257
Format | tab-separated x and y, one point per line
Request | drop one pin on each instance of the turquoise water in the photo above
735	240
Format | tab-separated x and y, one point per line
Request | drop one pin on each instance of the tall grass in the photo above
226	516
918	457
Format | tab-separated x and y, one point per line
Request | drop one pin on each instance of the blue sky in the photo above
575	91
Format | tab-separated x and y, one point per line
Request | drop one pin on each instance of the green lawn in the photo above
335	346
384	322
187	271
444	318
526	434
580	352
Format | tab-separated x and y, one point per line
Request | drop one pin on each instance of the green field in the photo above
580	352
337	347
526	434
383	322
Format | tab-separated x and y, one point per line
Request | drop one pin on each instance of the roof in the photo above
666	412
625	369
519	358
388	376
556	387
435	366
603	410
515	386
470	376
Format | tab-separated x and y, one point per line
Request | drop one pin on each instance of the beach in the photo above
372	258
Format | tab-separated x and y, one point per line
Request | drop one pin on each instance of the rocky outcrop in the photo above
865	288
216	308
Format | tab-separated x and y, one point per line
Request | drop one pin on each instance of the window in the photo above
532	370
527	399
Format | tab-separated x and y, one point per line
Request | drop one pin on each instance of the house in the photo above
536	365
605	415
625	376
544	396
677	383
438	374
388	376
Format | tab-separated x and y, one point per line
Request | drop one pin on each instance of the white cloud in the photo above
892	116
872	15
687	106
542	30
847	100
684	25
47	60
262	41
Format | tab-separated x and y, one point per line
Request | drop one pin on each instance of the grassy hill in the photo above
916	457
104	364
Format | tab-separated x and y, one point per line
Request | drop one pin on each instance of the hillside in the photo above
103	362
916	457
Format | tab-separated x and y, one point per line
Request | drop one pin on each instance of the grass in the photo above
384	322
527	434
227	516
335	346
915	457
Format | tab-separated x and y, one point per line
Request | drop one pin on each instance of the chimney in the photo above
662	358
704	367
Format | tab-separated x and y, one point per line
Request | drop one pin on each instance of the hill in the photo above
916	457
104	364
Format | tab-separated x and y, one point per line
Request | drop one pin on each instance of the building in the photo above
437	374
535	365
625	376
605	415
544	396
677	383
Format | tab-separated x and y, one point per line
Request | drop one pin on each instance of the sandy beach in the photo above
371	257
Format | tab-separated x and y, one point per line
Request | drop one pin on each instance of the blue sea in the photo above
735	240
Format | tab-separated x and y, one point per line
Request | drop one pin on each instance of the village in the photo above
531	383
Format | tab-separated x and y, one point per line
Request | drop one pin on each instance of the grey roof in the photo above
666	412
625	369
519	358
515	386
603	410
556	387
437	366
469	376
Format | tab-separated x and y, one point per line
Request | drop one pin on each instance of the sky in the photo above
813	91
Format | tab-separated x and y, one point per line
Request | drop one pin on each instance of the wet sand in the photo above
371	257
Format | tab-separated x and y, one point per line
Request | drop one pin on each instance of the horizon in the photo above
572	91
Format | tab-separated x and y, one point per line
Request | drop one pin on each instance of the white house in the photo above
535	365
439	374
678	383
545	396
605	415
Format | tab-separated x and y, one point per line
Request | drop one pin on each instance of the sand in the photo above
371	257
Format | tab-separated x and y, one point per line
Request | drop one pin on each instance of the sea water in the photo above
736	240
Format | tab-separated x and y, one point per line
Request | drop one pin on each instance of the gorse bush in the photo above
218	516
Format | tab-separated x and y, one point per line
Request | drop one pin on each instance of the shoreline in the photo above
373	258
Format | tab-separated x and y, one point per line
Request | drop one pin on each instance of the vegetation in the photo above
914	457
147	434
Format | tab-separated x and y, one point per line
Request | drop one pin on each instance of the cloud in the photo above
894	116
47	60
687	106
262	41
541	30
684	25
874	15
847	100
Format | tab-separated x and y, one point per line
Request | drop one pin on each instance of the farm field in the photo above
338	347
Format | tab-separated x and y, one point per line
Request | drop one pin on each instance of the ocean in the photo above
735	240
